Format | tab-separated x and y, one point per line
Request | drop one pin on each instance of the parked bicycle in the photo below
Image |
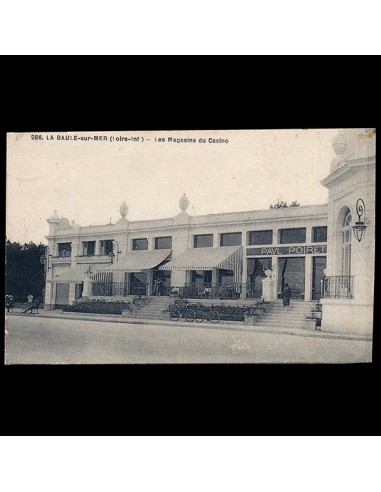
180	309
207	313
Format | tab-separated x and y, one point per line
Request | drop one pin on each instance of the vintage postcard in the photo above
228	246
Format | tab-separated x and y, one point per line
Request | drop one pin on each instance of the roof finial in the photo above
123	209
184	202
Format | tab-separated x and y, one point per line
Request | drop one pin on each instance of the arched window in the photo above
346	244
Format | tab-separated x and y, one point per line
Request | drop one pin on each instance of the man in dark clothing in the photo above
9	303
286	296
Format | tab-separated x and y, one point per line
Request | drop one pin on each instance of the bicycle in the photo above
207	313
181	310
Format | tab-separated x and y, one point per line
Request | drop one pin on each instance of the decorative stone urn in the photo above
339	143
123	209
184	202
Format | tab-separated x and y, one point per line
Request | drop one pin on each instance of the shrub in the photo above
230	313
98	306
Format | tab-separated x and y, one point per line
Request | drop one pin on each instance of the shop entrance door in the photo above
138	284
292	272
62	295
319	264
256	273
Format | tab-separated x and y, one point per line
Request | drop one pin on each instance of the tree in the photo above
282	204
24	273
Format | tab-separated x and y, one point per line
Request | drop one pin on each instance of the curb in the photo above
212	326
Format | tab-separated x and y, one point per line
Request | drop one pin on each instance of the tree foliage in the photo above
282	204
24	273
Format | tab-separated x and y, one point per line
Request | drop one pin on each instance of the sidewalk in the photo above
222	325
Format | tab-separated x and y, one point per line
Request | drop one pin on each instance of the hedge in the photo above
98	306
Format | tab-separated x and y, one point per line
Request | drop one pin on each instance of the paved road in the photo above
34	340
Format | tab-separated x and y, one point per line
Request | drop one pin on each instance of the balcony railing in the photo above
338	287
64	254
93	259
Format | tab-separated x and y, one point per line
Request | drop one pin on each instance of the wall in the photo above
346	316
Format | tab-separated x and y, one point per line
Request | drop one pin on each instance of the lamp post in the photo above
44	260
111	253
359	227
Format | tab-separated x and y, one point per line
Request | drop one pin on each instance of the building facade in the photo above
240	255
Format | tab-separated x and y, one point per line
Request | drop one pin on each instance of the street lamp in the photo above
44	259
359	227
111	253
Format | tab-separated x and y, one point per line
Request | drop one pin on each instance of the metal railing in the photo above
187	291
338	287
119	289
216	291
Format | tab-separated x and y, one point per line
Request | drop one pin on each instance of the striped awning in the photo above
137	261
226	257
75	274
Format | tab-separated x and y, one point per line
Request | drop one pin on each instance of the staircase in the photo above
276	317
151	308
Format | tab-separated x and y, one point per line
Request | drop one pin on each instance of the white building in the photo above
226	255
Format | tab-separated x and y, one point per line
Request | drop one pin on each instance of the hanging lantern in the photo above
359	227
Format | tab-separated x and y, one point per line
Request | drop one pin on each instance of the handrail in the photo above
338	287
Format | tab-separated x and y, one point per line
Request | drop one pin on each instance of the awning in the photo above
75	274
226	257
137	261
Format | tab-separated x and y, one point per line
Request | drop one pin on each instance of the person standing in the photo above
286	296
9	303
30	299
159	284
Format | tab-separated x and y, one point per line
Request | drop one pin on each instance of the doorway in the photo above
62	295
319	265
256	273
292	272
138	284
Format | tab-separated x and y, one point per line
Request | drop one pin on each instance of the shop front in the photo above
301	267
210	272
134	274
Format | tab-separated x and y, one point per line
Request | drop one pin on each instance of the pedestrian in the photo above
9	302
286	296
33	307
157	287
30	299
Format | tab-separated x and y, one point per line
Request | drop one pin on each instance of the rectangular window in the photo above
231	239
261	237
319	234
163	242
139	244
64	249
290	236
203	241
106	247
88	248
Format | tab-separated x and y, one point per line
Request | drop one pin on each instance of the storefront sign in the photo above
287	250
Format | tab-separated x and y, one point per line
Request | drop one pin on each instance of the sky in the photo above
87	181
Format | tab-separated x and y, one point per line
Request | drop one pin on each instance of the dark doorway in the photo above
292	272
256	273
78	290
165	277
62	295
202	278
319	264
138	284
